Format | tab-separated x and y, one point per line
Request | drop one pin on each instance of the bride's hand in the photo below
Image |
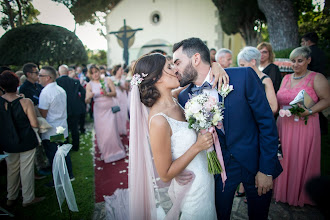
184	177
204	141
220	75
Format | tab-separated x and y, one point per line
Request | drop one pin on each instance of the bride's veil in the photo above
142	203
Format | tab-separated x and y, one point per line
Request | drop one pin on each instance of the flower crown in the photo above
137	79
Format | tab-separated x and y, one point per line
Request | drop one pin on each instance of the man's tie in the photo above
198	90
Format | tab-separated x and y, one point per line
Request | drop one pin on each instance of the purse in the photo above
115	109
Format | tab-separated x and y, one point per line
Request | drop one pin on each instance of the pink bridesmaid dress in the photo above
122	100
105	123
301	145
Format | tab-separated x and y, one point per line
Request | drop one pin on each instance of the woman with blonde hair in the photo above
267	66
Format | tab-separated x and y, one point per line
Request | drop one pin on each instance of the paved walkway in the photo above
239	212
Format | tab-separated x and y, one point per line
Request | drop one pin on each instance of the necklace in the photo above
299	77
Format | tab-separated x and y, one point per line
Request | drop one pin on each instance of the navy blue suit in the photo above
250	142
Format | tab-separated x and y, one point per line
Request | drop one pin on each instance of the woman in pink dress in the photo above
301	144
122	99
105	121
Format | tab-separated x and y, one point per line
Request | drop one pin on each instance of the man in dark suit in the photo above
75	95
249	141
317	64
319	59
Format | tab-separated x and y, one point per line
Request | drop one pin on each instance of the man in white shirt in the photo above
52	106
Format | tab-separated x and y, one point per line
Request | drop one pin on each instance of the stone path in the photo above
239	212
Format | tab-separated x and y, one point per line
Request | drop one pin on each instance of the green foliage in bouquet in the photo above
58	138
296	110
213	163
191	121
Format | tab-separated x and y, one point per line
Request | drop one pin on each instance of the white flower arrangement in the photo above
202	112
60	130
59	137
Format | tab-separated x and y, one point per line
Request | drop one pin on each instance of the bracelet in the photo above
310	111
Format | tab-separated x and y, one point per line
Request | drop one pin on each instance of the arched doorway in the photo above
156	46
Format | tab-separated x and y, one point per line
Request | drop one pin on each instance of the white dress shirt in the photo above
53	99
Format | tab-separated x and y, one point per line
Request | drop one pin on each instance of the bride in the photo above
175	148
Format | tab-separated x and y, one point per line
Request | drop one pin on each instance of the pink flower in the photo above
210	103
288	113
282	113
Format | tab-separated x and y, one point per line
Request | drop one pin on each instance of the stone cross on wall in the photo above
124	35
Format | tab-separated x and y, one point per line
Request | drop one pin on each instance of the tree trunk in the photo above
20	19
10	14
282	23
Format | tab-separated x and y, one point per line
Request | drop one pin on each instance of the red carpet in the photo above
109	176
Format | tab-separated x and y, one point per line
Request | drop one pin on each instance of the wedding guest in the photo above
19	73
22	79
122	99
250	57
224	57
301	143
75	94
52	106
317	64
267	66
31	88
212	55
20	159
318	57
105	122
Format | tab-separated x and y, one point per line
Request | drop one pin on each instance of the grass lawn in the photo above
83	186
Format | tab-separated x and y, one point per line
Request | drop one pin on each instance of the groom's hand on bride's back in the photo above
184	177
263	182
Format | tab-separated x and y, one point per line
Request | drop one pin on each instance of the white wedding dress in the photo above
199	202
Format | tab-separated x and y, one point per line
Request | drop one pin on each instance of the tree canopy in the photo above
41	44
84	10
241	16
18	13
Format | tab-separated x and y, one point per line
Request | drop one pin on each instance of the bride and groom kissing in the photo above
248	139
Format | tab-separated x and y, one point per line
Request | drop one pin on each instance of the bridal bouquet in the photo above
59	137
203	113
103	88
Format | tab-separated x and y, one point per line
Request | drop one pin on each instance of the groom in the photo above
249	140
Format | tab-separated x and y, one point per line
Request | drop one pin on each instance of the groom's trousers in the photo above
258	206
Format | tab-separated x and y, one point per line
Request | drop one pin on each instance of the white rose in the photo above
60	130
195	107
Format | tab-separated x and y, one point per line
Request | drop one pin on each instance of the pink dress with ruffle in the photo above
105	123
301	145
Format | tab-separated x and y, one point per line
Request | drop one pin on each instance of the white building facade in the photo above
164	22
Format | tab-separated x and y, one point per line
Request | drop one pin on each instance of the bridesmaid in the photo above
301	144
105	122
122	99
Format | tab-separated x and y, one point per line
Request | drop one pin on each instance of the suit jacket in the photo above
319	60
251	134
75	94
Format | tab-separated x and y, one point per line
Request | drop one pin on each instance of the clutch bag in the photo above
304	99
115	109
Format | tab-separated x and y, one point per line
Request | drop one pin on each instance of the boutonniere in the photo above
224	91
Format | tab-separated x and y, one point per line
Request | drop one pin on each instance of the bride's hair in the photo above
151	64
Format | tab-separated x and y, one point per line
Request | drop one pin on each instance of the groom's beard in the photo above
189	75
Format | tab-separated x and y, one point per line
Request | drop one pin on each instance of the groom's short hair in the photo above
194	45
